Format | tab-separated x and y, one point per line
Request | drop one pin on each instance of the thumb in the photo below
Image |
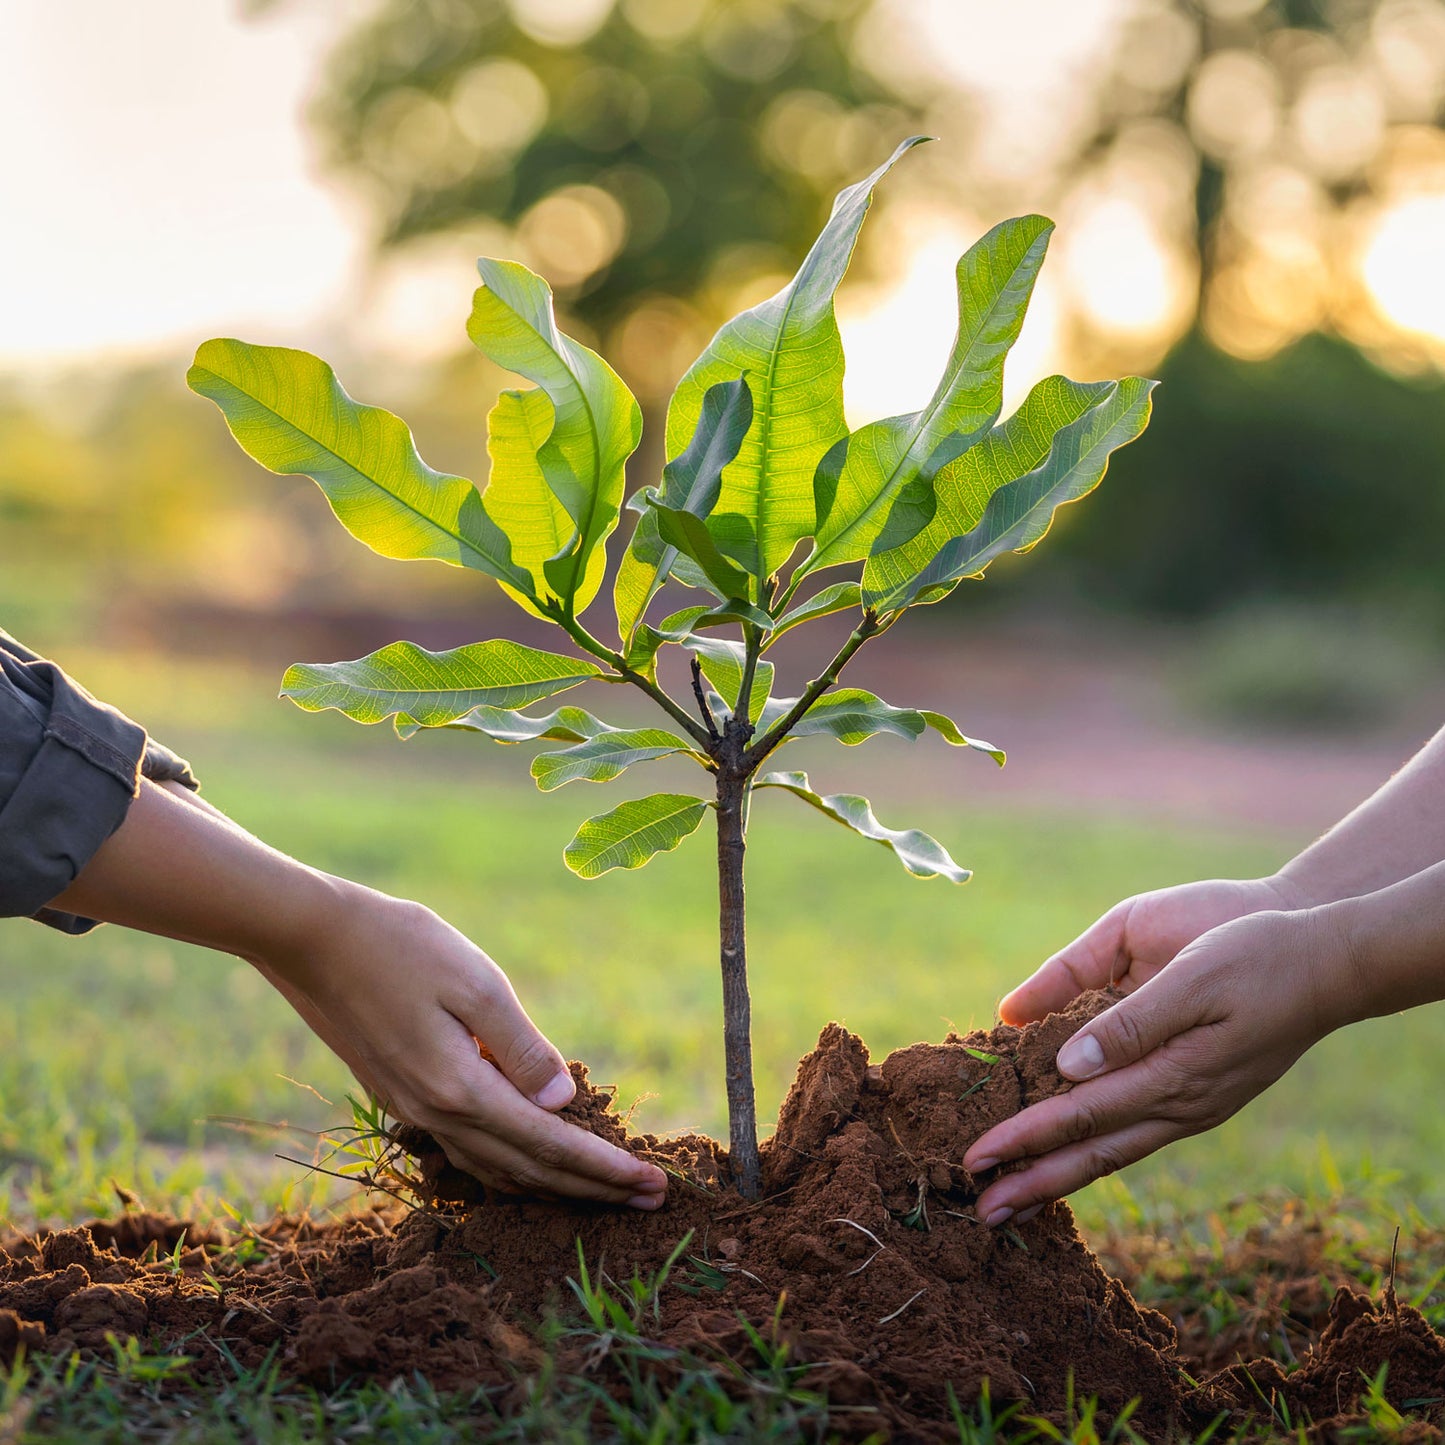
1125	1033
1090	961
524	1054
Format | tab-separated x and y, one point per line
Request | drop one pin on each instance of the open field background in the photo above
133	1059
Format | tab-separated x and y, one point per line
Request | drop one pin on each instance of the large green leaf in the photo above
789	348
722	662
600	759
288	411
1002	494
518	497
852	716
633	832
506	725
690	483
432	689
888	470
596	422
921	855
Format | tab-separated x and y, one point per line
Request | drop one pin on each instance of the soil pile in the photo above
892	1290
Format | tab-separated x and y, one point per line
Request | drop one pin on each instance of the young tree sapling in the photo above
761	462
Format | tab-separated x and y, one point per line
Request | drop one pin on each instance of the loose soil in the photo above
891	1289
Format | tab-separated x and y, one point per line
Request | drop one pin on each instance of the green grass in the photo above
120	1052
126	1058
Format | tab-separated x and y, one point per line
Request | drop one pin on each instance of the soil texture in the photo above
890	1288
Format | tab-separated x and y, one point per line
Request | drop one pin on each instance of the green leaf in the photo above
852	716
432	689
690	483
1056	445
642	654
735	610
683	532
633	832
722	662
596	421
881	490
506	725
288	411
600	759
948	729
837	598
789	348
921	855
518	497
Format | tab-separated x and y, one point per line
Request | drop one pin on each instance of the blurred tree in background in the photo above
1239	186
643	150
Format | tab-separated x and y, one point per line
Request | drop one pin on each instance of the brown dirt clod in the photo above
893	1292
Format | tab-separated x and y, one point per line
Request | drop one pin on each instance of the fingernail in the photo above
1081	1058
1032	1212
979	1165
555	1093
998	1216
646	1201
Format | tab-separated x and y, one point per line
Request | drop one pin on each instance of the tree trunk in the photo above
737	1008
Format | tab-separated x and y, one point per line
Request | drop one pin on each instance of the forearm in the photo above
1393	944
1391	836
188	872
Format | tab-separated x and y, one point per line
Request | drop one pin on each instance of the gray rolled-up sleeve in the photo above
70	767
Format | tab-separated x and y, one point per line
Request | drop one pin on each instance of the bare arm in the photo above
399	994
1394	834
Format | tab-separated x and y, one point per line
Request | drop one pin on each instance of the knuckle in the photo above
550	1153
1124	1033
1082	1122
531	1055
446	1098
1106	1158
528	1179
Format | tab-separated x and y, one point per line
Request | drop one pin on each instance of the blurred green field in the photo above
123	1057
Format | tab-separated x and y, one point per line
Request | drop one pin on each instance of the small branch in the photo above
702	705
618	663
753	644
869	627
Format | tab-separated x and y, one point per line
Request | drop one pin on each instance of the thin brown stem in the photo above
868	627
732	791
618	663
702	705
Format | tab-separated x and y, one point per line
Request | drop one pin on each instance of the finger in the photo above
1092	960
1113	1102
520	1049
560	1148
1166	1005
1070	1168
513	1170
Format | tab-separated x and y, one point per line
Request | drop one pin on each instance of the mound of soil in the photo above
891	1288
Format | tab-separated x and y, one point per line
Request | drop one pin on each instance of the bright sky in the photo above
161	186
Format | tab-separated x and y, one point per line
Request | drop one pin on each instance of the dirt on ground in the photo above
890	1288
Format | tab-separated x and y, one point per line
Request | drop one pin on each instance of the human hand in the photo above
1189	1047
405	1000
1138	937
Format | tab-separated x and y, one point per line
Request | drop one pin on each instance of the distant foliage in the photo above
1312	476
666	135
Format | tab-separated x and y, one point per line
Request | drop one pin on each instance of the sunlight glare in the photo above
897	337
1401	264
1121	275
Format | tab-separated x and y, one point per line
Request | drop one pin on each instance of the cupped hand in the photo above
406	1000
1189	1047
1138	937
